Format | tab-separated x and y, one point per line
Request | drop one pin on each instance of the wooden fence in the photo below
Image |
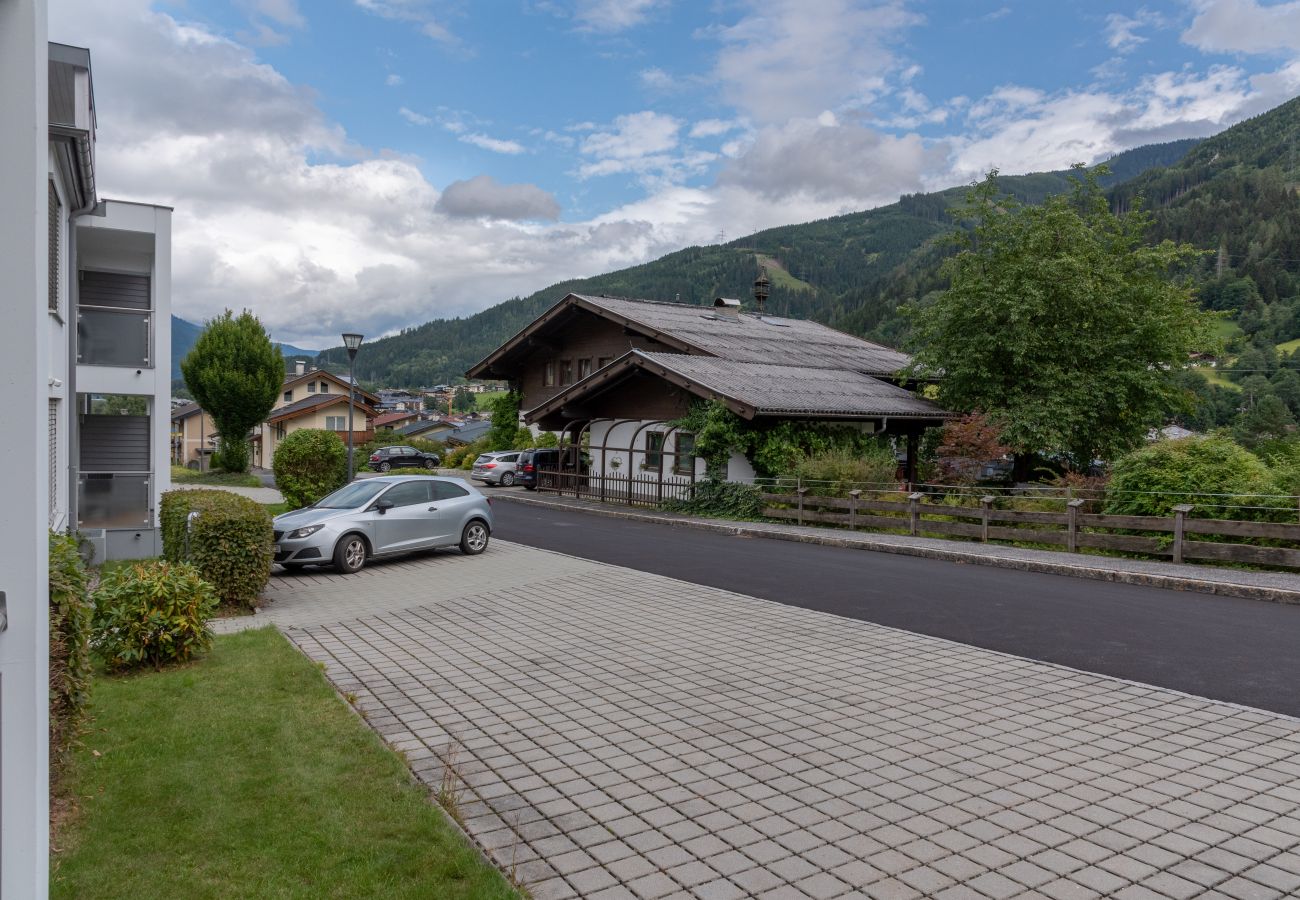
650	489
1180	536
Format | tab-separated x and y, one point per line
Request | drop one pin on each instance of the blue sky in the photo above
378	163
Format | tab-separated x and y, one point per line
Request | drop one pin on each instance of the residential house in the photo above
429	429
466	434
397	419
314	398
85	368
194	440
621	371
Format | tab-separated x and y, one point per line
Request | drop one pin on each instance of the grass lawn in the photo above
1289	346
245	775
482	400
276	508
182	475
1216	376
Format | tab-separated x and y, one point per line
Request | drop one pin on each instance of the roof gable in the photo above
292	381
315	402
700	331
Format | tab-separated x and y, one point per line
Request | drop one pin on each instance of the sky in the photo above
370	165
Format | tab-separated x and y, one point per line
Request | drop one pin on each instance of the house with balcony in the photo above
314	398
109	332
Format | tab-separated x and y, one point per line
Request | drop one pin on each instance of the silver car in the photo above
497	467
383	516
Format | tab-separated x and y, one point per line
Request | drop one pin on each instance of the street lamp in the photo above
352	342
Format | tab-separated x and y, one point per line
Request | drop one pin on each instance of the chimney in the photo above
300	367
727	308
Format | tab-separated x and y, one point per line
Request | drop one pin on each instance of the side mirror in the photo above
383	506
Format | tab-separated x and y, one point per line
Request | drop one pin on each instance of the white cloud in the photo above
393	79
483	195
656	79
635	135
1245	26
495	145
706	128
613	15
1122	31
783	60
415	12
282	12
414	117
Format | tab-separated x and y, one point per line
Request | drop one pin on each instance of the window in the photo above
566	371
584	368
445	490
336	423
684	459
288	395
654	447
548	374
408	493
311	387
324	387
604	361
56	221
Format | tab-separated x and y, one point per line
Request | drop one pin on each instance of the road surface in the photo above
1225	648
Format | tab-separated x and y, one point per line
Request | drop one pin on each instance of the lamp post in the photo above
352	342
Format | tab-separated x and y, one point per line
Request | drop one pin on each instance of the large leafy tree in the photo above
234	373
1061	325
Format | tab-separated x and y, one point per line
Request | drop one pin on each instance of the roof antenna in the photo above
762	287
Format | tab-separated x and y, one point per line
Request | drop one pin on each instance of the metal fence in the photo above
648	489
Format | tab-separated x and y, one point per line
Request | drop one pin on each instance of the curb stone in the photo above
951	553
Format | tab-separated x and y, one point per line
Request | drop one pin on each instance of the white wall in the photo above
24	376
57	368
615	435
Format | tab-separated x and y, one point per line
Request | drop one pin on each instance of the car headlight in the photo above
304	532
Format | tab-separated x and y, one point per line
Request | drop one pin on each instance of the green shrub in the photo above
152	613
1152	480
309	464
70	629
834	472
229	541
723	499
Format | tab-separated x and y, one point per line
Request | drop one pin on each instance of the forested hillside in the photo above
850	271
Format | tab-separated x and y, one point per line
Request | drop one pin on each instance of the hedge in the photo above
70	626
151	613
229	541
309	464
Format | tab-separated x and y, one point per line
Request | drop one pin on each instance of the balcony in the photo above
114	337
113	500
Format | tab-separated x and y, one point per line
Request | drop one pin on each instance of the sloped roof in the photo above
291	380
421	427
469	432
753	389
185	411
698	330
315	401
399	416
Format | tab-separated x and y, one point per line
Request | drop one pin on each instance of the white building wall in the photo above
610	442
24	517
57	325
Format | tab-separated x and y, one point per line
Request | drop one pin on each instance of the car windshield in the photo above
350	496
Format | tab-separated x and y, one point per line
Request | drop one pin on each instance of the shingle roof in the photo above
470	432
393	417
308	403
750	338
185	411
699	330
421	427
759	389
772	389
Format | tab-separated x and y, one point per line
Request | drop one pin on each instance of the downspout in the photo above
79	139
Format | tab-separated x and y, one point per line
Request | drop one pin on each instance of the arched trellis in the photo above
598	482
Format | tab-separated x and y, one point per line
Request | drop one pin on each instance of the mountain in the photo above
832	270
184	334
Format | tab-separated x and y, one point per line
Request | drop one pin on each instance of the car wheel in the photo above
507	479
429	463
350	554
474	539
385	466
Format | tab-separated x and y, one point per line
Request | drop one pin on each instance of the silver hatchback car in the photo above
383	516
497	467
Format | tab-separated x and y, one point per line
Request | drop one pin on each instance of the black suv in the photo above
386	458
546	459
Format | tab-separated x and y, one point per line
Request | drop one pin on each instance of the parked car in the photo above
497	467
384	516
544	459
386	458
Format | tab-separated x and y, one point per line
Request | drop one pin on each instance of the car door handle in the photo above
433	509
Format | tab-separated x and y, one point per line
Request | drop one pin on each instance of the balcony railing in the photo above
114	337
114	500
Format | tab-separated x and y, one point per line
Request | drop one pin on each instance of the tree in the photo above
463	400
505	421
234	373
966	446
1060	323
309	463
1265	419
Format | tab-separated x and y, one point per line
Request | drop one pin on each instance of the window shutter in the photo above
56	215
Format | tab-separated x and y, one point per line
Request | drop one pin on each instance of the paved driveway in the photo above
622	734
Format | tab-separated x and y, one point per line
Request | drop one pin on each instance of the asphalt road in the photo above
1225	648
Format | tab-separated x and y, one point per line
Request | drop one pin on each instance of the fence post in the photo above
1180	514
801	491
1072	519
986	504
603	475
853	509
914	511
